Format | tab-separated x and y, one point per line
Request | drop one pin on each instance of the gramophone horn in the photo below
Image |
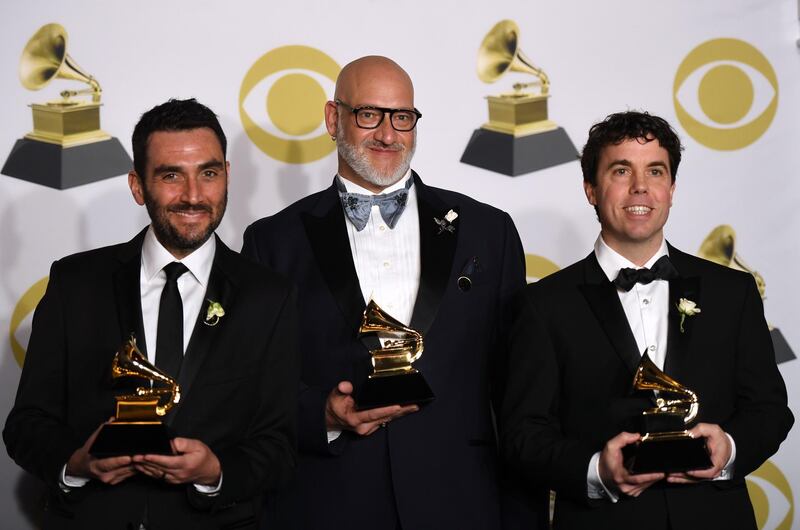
45	57
499	53
720	247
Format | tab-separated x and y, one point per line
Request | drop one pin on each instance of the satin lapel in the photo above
204	337
437	249
128	292
678	342
327	233
602	297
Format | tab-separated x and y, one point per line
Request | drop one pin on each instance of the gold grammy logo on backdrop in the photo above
725	94
772	498
66	147
519	137
720	247
288	124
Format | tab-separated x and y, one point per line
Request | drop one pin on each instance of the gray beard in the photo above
357	159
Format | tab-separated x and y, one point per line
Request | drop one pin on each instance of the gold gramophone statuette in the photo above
68	121
393	379
666	445
519	137
66	147
147	403
137	427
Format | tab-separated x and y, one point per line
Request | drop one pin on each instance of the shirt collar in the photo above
155	257
611	261
352	187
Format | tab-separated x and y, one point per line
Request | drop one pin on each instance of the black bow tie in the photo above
663	269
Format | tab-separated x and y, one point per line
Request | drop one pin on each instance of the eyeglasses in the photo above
402	120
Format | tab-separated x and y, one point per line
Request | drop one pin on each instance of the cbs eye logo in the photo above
25	306
771	495
537	267
725	94
281	103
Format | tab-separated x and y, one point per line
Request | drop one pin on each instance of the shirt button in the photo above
646	301
652	347
386	264
382	228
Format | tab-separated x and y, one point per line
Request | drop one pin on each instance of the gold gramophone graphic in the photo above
720	247
393	381
666	445
66	147
137	427
519	137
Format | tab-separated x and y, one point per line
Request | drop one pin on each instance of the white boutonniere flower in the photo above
687	308
213	313
446	224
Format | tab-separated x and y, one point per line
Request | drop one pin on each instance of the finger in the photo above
106	465
122	476
644	478
150	471
704	474
376	415
183	445
166	462
345	387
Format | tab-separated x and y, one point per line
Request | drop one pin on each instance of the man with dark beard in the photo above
222	326
435	260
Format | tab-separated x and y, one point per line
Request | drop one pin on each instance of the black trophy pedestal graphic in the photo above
60	167
513	156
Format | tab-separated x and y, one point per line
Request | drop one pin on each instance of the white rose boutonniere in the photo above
213	313
687	308
446	224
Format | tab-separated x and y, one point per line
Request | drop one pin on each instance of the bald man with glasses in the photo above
440	263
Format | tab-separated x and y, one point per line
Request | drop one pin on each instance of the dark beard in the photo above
168	236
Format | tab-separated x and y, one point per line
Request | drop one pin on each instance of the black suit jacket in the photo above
574	356
435	468
238	382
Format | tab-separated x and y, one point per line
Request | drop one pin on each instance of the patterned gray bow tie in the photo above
358	207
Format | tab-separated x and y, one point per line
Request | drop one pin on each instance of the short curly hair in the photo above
174	115
630	125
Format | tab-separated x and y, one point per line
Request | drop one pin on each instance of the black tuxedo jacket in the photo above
436	468
238	382
574	356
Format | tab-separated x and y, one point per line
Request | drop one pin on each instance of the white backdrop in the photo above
601	57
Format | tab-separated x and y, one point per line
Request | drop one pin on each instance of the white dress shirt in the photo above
647	311
387	260
192	286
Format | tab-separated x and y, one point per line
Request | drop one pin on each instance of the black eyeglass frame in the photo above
384	111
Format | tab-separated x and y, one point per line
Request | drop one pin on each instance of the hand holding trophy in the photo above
137	427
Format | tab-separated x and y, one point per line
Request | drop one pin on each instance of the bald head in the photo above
371	76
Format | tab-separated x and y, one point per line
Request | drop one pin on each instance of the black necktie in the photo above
662	269
169	335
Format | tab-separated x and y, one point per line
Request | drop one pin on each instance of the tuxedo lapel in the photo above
601	295
678	342
437	249
327	233
127	291
204	338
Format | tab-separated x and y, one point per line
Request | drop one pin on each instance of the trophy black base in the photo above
783	352
406	389
123	438
60	167
512	156
666	455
